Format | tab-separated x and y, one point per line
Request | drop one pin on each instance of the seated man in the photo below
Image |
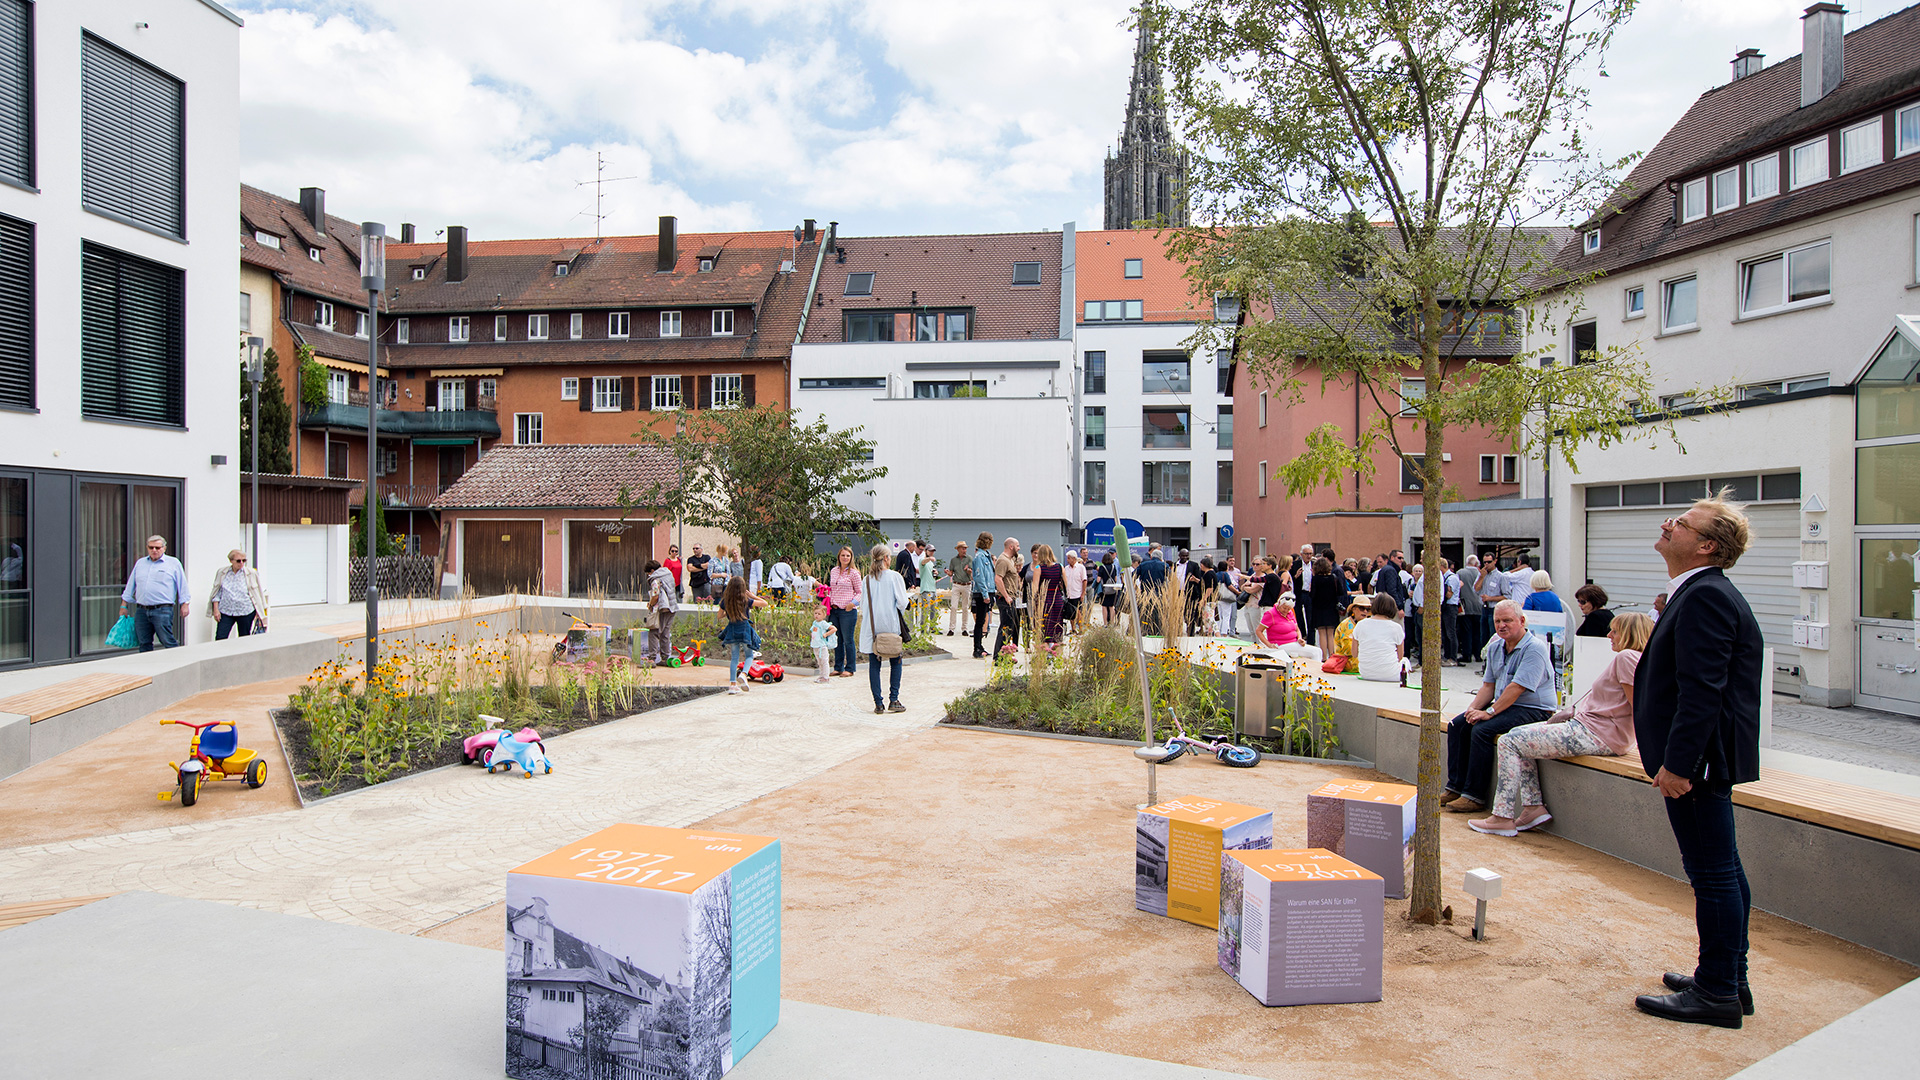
1520	686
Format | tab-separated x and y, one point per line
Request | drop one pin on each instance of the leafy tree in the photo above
384	543
1458	126
313	378
762	475
276	420
923	531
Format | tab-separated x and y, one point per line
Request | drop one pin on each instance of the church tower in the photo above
1146	178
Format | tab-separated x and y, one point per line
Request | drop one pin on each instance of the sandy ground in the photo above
984	881
111	784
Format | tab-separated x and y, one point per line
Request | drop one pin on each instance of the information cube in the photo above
1301	927
1177	846
1368	822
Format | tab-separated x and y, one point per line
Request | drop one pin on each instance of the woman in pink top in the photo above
843	594
1599	723
1278	628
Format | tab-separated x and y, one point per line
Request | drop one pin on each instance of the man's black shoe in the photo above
1685	982
1689	1007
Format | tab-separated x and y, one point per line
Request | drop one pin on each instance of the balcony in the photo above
351	415
398	494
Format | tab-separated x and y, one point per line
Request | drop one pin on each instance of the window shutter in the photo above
706	391
132	138
16	90
643	400
586	393
132	355
746	391
628	399
466	394
16	313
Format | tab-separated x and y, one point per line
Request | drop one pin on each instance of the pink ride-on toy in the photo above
480	748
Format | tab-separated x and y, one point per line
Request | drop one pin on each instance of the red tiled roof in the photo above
335	277
1099	260
557	476
973	271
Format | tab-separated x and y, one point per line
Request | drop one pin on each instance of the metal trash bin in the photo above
1259	691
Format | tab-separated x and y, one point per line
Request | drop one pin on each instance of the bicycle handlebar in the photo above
196	727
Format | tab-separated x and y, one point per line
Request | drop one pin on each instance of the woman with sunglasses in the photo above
237	598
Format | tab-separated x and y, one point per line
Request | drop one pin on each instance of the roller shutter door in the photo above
293	564
1621	560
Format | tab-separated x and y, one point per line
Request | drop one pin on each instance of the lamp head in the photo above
256	363
373	256
1483	884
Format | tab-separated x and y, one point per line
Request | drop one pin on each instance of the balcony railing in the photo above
398	494
482	420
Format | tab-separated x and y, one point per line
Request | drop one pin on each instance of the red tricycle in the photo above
214	754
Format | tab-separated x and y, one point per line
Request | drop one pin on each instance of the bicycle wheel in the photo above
1239	757
1173	750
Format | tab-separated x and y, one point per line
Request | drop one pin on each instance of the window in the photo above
876	382
722	322
452	395
1263	489
1162	374
1026	273
323	314
1860	146
1673	402
1763	177
706	266
1509	468
1762	391
956	326
1096	427
569	389
526	428
266	239
620	324
1410	472
338	384
313	254
1586	342
606	393
726	392
1906	130
133	144
976	388
1263	408
1166	429
536	328
669	324
1412	393
360	324
499	328
561	269
666	391
1791	277
1636	302
1094	488
16	94
458	327
1223	371
1097	370
1693	200
859	285
869	326
1679	309
1166	483
1809	163
1132	268
577	325
246	301
1225	308
1223	429
490	389
925	327
1223	483
419	273
1486	468
1726	190
1592	241
1113	311
132	341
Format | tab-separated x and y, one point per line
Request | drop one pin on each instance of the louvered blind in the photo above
16	90
132	352
132	138
16	313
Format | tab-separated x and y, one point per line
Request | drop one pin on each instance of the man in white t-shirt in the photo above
1520	579
1379	642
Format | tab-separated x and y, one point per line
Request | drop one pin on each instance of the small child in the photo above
824	640
740	638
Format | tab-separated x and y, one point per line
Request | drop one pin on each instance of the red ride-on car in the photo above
761	671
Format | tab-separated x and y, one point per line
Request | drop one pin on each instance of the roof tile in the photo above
557	476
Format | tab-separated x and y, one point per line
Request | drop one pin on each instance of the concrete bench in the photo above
63	697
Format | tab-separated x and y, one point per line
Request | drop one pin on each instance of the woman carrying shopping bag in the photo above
237	598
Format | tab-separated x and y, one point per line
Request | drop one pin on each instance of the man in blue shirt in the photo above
1520	687
157	585
983	590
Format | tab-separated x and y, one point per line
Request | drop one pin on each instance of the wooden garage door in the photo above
608	555
502	556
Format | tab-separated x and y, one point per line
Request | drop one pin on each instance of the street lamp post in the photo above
255	371
373	278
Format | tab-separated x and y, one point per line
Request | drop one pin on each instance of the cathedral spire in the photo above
1146	177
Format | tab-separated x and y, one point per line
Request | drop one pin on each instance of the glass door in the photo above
16	593
1889	660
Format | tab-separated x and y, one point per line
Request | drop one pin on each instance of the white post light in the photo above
373	278
256	370
1483	885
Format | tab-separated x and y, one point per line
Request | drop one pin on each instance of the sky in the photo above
889	116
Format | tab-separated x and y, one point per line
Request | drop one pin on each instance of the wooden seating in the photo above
12	915
61	697
1877	815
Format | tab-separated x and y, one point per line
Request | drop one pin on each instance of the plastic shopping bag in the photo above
121	636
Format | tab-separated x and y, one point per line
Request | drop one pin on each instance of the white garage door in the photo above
293	564
1621	560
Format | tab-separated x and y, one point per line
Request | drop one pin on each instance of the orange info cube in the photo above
641	951
1301	927
1368	822
1176	854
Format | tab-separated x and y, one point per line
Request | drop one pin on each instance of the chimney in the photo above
313	206
669	245
1821	31
807	232
1748	62
406	232
456	253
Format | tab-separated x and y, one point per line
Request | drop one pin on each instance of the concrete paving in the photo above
1878	1040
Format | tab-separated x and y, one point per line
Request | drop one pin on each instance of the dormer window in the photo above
859	285
1133	268
706	266
313	253
1592	241
560	270
419	273
1226	307
1026	273
266	239
1693	200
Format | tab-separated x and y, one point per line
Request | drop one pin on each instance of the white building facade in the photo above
119	343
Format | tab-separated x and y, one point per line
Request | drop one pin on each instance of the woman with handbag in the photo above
237	598
664	606
883	603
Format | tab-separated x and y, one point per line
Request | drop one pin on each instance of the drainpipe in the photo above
1068	299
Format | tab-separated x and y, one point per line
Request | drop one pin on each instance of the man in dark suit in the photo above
1151	574
1696	712
907	564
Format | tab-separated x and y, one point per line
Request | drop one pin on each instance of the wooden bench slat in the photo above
62	697
20	914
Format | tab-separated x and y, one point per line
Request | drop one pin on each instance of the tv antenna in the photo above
599	182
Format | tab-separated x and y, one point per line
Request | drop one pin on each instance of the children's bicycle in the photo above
1224	749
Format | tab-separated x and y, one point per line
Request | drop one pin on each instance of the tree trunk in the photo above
1424	896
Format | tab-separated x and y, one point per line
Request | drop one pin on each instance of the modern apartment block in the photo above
119	360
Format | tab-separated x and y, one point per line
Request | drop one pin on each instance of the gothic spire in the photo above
1145	177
